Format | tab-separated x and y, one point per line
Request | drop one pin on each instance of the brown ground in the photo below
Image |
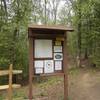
84	84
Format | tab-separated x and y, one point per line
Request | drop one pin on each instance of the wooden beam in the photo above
57	27
31	61
3	87
65	69
6	72
51	74
45	35
17	71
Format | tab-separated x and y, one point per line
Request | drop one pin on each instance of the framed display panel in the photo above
48	65
43	48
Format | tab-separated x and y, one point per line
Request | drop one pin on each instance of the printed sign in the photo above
58	56
57	48
58	43
38	70
49	66
60	39
39	64
58	65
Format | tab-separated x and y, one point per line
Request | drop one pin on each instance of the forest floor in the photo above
84	84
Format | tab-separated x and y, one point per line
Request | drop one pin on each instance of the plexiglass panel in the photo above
43	48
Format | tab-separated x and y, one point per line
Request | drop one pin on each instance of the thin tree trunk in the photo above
79	35
45	12
5	7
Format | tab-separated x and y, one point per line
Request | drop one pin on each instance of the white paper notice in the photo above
43	48
39	64
57	48
39	70
49	66
58	65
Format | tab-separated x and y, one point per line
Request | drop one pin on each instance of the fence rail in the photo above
10	86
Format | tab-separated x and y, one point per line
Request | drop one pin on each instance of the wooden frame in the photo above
48	32
65	68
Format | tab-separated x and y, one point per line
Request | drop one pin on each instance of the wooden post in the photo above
31	61
65	69
10	82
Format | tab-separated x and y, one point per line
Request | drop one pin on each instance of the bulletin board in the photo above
48	53
48	56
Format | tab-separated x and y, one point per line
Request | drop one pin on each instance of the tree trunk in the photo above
45	12
79	34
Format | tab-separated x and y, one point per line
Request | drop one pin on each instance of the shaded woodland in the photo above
82	15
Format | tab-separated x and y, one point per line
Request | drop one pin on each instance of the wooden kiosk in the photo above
48	53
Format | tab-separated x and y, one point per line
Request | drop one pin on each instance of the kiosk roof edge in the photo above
49	27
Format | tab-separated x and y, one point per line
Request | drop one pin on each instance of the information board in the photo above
48	56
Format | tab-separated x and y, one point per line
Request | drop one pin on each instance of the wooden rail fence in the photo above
10	86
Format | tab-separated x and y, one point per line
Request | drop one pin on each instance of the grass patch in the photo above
51	81
74	71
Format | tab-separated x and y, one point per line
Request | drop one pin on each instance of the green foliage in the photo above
13	34
89	28
15	15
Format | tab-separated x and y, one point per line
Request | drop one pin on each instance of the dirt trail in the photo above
85	86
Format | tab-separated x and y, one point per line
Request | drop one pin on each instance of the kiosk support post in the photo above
65	68
30	67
